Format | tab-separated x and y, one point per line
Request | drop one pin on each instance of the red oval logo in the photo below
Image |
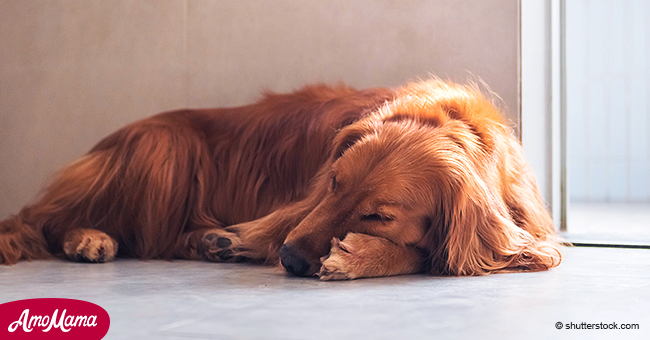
53	319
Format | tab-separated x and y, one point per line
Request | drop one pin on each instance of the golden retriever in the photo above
328	181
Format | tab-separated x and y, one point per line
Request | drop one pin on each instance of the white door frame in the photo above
542	100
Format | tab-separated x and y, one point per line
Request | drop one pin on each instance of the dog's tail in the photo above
20	241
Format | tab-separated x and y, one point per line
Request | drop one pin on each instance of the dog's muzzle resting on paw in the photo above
293	262
328	181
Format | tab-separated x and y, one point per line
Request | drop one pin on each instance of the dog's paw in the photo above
218	245
343	261
89	245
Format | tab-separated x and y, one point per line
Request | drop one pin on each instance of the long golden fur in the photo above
328	181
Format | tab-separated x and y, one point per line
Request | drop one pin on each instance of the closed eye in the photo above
376	218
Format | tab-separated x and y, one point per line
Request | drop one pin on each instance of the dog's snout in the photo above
293	262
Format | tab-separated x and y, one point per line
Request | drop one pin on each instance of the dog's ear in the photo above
472	231
347	137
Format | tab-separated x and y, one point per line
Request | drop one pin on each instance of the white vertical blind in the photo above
608	87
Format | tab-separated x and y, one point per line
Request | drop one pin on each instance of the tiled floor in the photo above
198	300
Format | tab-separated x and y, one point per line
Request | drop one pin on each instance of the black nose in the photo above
292	262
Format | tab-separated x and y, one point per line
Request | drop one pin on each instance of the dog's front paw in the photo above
89	245
218	245
343	261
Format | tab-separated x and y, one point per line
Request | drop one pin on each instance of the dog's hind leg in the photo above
89	245
211	244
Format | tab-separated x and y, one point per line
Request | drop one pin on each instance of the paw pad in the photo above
217	248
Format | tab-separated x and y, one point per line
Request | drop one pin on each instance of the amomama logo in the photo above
53	319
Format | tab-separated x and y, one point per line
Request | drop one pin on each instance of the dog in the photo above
331	182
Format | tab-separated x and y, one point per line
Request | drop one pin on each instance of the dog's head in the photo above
416	172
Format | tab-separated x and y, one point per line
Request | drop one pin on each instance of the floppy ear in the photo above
473	232
348	136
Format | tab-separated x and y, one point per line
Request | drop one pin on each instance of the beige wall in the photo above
72	71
